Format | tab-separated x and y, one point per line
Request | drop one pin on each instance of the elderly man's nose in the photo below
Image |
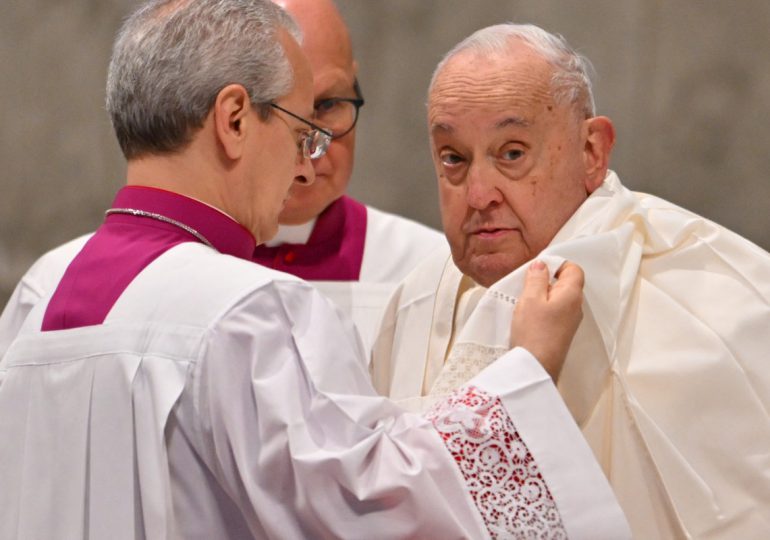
482	188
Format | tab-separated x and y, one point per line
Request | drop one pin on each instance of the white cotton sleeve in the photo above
290	426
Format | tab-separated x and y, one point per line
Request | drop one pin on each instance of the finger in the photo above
536	281
569	282
570	274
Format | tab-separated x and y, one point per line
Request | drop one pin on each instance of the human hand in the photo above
547	316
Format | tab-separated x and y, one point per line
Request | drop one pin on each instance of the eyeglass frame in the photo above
325	134
357	102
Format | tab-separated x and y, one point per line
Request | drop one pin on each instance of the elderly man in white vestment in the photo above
354	254
171	388
668	375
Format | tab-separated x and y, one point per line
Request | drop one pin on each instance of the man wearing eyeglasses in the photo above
353	253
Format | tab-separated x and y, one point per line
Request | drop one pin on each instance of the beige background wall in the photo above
687	83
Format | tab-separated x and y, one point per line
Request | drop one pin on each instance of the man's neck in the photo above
292	234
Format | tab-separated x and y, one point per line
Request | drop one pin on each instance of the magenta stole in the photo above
125	244
333	252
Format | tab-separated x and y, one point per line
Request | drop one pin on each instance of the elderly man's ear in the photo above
599	136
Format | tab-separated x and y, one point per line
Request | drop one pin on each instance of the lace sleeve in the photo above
502	476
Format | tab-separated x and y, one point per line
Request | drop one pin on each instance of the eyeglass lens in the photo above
336	114
315	144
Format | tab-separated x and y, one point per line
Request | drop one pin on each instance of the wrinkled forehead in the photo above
518	83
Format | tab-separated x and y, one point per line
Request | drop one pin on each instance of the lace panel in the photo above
465	361
501	474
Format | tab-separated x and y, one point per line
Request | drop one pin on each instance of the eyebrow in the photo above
504	123
441	127
512	121
337	89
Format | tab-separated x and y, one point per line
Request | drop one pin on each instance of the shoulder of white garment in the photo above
405	326
421	282
47	271
37	283
395	245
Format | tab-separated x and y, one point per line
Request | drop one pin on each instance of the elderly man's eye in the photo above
512	154
326	106
449	159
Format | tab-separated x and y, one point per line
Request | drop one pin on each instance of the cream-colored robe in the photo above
668	376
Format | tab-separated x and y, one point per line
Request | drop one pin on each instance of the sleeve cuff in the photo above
587	505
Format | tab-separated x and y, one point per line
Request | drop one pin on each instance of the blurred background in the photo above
687	83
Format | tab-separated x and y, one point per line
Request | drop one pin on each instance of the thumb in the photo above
536	281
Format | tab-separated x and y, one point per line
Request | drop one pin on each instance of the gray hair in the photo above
571	80
172	57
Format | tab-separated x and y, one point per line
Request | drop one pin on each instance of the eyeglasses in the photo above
314	142
339	115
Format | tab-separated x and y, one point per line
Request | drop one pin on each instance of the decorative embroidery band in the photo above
502	475
504	297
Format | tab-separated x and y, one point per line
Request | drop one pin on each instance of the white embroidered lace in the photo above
502	476
465	361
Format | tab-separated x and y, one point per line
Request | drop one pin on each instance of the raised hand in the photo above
547	316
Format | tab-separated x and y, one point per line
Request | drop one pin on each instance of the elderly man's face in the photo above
326	44
510	161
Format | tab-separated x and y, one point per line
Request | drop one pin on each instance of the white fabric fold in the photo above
667	376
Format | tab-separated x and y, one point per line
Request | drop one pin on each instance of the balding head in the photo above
325	32
570	72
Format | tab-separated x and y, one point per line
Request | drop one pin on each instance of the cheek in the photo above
543	207
453	212
340	154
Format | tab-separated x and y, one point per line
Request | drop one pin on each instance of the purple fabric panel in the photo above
103	269
222	231
125	244
334	250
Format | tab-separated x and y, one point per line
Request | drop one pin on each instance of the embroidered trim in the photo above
504	297
502	476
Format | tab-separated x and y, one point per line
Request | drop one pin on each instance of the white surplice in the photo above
393	247
221	399
667	376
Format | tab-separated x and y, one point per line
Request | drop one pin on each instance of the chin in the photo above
488	269
296	212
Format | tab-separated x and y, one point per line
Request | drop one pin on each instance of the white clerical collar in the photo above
292	234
